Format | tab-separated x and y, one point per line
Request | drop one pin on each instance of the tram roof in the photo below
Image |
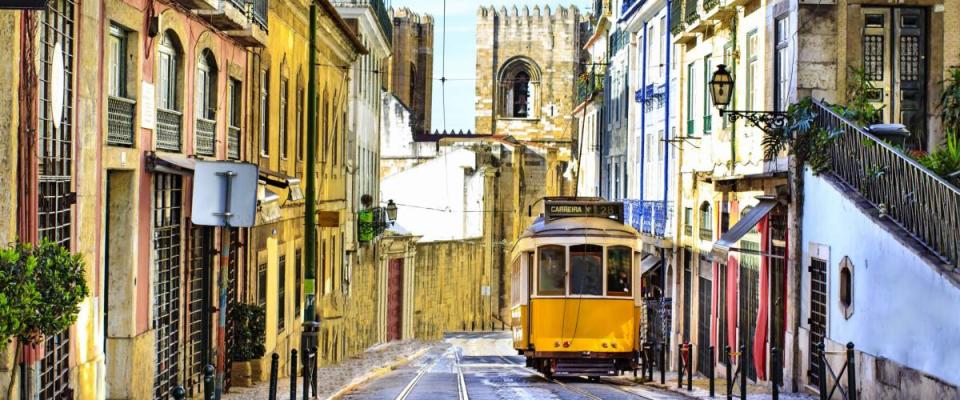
579	226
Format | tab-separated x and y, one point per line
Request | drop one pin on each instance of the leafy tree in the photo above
250	333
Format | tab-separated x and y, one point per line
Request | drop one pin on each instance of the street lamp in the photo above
721	91
391	211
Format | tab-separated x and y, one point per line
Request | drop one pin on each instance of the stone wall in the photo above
449	288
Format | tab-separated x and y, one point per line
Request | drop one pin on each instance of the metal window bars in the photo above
233	143
205	133
167	236
915	198
120	121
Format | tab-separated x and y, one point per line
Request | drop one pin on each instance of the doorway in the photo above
395	300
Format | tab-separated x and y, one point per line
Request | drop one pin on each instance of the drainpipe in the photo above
733	127
643	114
666	134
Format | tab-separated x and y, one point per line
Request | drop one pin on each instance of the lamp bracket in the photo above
767	121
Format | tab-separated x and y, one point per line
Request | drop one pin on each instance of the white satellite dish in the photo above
57	80
224	194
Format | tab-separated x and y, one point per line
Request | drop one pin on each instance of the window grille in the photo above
167	217
198	307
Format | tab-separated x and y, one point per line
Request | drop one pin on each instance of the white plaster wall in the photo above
903	309
396	139
432	196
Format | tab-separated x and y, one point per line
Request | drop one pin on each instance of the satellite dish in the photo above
57	84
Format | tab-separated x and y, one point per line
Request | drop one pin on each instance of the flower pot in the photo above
242	373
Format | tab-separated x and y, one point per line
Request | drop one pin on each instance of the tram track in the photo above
583	392
423	371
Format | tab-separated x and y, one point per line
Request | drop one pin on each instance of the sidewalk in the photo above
337	378
701	388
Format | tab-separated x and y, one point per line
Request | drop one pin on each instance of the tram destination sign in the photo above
564	209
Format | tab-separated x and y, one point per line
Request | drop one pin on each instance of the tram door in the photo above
530	289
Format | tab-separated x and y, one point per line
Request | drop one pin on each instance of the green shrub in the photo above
945	160
250	323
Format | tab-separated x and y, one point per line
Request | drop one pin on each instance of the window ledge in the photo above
519	119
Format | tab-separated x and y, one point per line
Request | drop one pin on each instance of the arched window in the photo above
206	104
706	221
519	85
169	80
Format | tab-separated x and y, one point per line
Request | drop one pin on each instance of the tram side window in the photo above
553	271
618	271
586	270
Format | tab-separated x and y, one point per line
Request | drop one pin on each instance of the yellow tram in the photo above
575	303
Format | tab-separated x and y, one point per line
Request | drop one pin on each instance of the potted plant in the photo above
249	335
41	288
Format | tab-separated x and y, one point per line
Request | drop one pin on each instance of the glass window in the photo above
264	113
619	271
283	118
782	60
707	112
168	73
117	72
753	69
552	270
691	124
586	270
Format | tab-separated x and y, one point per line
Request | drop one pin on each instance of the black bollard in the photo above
851	373
663	364
730	376
179	393
713	361
315	356
689	366
822	375
744	368
305	359
208	382
680	366
274	368
774	373
293	374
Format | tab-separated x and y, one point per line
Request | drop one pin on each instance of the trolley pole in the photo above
310	217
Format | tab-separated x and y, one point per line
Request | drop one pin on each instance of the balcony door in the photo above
894	61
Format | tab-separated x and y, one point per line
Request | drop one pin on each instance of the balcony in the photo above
120	121
197	5
206	137
379	10
169	127
233	143
925	205
706	234
253	31
227	16
589	84
628	7
652	218
652	96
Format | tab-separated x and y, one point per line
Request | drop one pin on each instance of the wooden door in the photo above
395	300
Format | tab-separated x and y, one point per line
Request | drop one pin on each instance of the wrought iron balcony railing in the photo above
676	17
706	233
588	84
233	142
654	218
205	137
169	127
628	4
691	12
915	198
379	9
260	8
120	125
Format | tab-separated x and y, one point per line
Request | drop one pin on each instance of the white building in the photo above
399	149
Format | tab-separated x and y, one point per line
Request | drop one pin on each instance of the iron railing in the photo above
915	198
233	142
676	17
589	84
379	9
627	4
653	218
239	4
120	126
169	126
691	13
206	136
260	8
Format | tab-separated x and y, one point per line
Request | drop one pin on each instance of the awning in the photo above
649	263
725	245
276	179
170	163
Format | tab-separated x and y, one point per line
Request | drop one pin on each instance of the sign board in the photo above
23	4
598	209
148	108
328	219
224	194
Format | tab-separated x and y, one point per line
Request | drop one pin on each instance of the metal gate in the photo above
55	186
894	61
722	354
198	306
818	314
687	296
233	286
778	278
705	296
167	203
749	299
395	300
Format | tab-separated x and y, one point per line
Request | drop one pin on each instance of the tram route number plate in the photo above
558	209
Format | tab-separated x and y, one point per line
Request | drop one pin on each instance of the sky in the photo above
461	53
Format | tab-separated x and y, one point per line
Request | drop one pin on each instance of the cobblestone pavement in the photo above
332	378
